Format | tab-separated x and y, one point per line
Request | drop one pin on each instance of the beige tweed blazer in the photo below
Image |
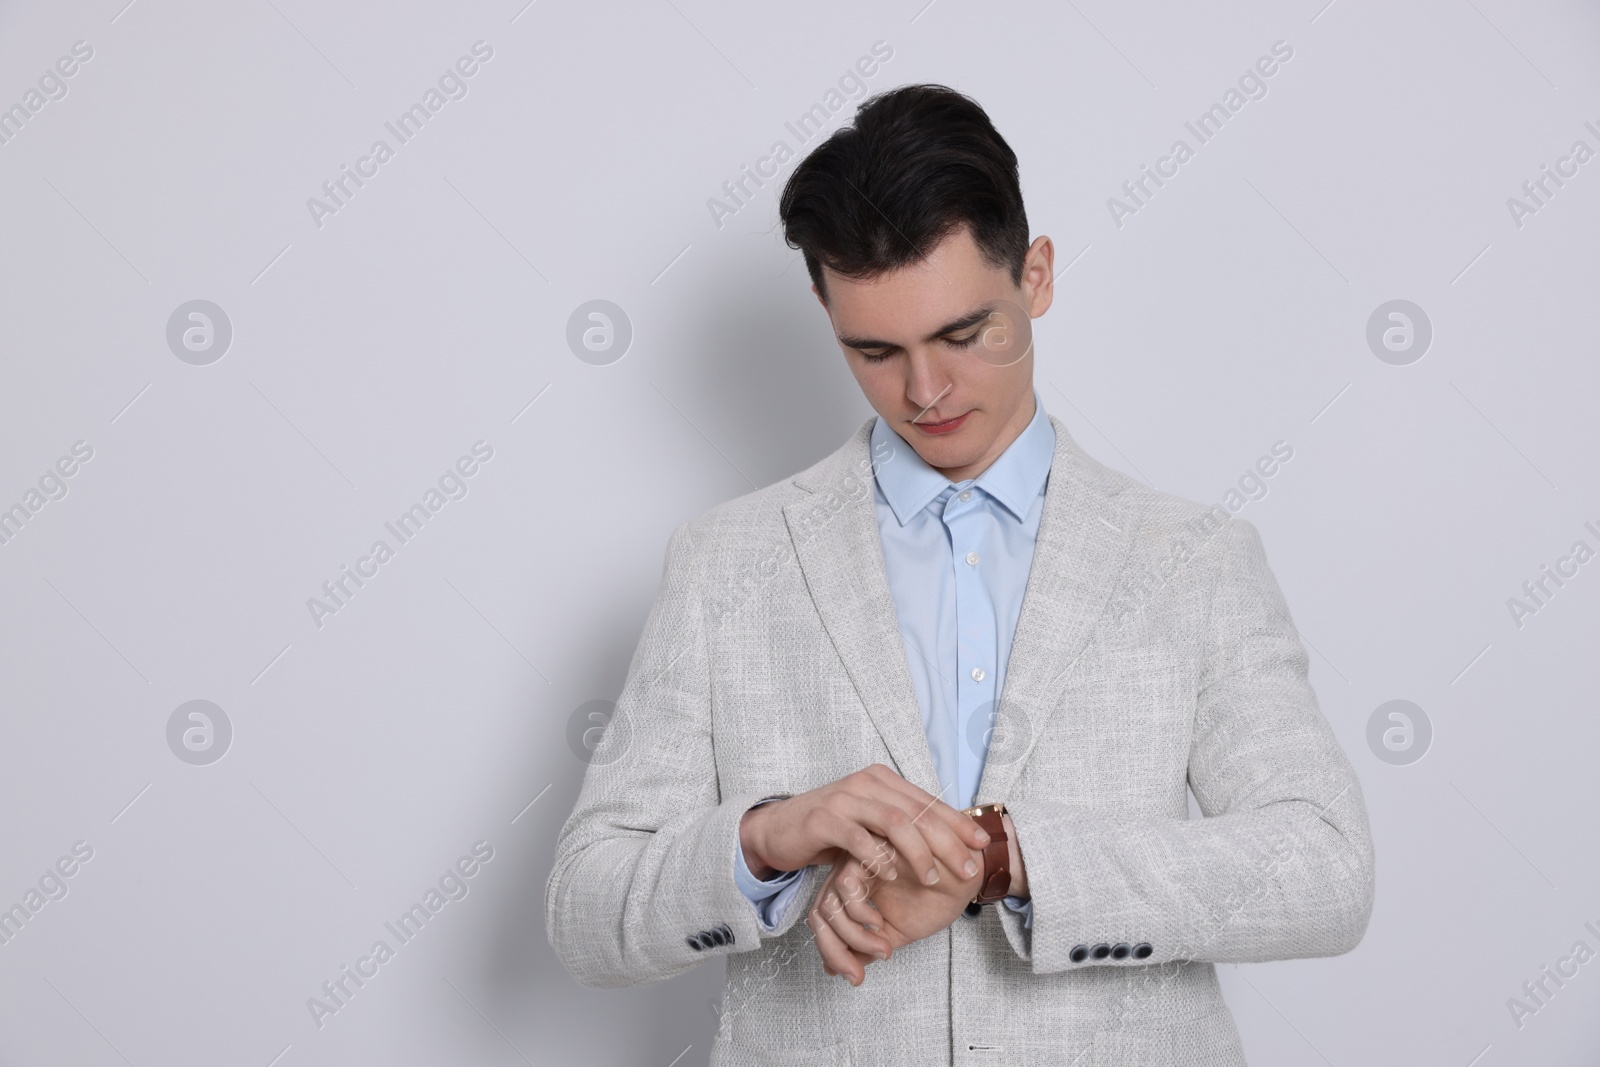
1154	655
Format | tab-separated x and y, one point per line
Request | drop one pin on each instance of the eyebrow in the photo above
971	318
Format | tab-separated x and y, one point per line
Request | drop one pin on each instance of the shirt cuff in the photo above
770	897
753	887
1025	907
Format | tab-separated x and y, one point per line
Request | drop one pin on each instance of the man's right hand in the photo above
853	817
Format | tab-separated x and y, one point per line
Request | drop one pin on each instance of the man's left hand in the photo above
905	911
860	916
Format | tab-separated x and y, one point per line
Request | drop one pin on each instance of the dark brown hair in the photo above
916	163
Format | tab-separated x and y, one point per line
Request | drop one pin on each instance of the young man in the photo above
959	607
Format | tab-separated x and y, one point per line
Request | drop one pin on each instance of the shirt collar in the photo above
1014	479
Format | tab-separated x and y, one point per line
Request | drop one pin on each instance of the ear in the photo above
1038	276
820	299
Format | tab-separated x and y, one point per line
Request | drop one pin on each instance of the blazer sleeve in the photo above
1281	864
643	884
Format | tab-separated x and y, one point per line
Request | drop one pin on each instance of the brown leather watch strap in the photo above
996	854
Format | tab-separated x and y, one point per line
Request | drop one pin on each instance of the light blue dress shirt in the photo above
957	558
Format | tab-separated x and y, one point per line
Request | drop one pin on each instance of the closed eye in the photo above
954	342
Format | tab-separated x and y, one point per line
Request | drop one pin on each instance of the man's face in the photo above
943	348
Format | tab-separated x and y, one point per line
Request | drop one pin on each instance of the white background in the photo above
430	312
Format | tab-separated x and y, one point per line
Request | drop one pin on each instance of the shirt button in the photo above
966	494
972	558
977	674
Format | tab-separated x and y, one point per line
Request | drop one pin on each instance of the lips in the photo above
947	426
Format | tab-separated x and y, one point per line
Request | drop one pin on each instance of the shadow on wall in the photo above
757	360
752	361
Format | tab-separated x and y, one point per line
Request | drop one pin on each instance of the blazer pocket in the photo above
1212	1040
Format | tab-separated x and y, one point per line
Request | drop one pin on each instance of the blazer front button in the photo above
1142	950
1079	953
1120	950
1100	951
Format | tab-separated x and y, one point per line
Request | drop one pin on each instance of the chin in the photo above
944	457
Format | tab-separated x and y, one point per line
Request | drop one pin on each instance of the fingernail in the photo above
983	834
971	868
932	877
870	928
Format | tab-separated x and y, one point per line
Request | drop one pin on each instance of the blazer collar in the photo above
1084	540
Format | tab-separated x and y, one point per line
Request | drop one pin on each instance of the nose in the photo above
928	382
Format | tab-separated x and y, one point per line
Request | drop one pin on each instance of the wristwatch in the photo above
996	854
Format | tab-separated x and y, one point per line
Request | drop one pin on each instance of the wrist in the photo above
750	836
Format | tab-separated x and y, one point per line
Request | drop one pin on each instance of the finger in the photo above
946	852
849	817
950	848
846	900
856	893
865	961
882	865
851	883
889	813
851	931
860	913
845	819
941	816
833	901
837	958
927	804
909	849
830	901
928	808
939	834
883	858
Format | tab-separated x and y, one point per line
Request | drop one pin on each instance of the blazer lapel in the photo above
835	535
1085	535
1084	540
